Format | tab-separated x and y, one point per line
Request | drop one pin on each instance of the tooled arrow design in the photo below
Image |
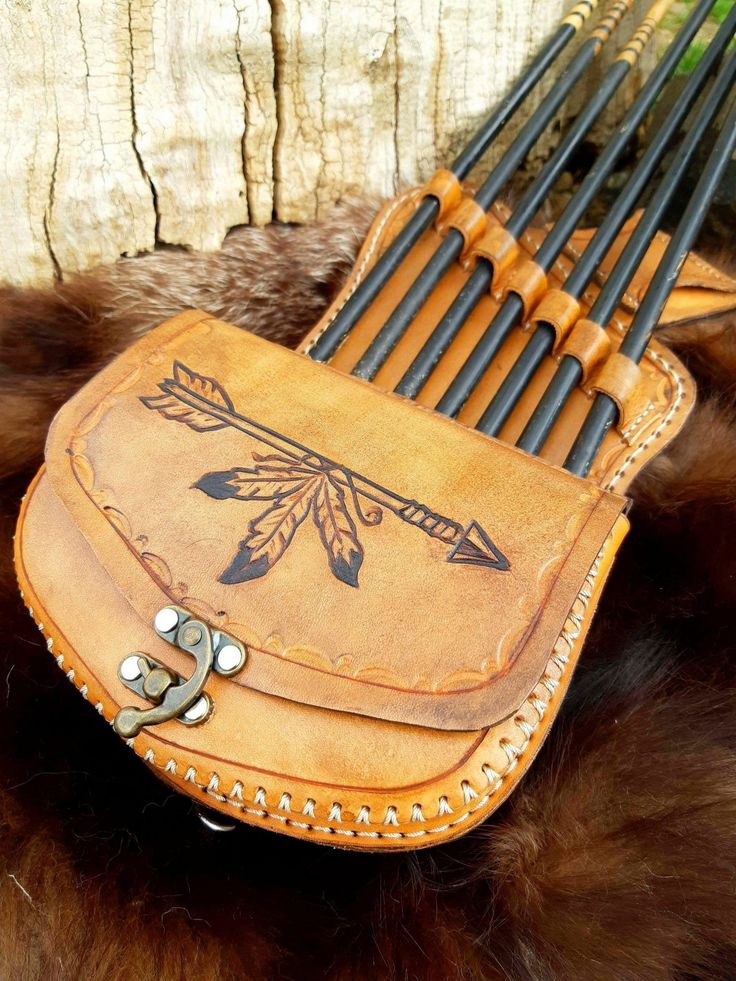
297	482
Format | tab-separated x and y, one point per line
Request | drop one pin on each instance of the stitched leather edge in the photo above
677	403
588	296
571	630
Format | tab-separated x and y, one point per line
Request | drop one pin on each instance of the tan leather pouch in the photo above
411	596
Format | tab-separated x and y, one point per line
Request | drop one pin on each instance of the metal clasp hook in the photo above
174	697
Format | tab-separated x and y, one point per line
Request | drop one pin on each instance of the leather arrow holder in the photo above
409	596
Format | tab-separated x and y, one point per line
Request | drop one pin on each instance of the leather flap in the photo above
375	557
701	290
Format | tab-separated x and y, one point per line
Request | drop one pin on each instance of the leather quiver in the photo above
409	596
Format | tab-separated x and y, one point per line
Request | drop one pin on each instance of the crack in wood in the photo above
129	123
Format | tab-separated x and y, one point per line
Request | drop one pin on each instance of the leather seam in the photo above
717	274
679	384
559	659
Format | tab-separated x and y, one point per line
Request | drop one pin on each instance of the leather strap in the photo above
529	281
497	246
589	344
469	219
558	309
621	379
669	387
444	186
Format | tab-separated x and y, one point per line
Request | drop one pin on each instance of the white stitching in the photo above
539	706
391	816
524	725
674	408
512	752
550	684
469	793
443	807
569	633
416	812
626	433
492	776
717	274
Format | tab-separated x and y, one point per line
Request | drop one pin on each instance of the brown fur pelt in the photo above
616	857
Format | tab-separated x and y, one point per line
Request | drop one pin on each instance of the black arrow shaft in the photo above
542	340
603	412
356	305
453	242
510	312
569	371
415	513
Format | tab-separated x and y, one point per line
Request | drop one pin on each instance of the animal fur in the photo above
616	857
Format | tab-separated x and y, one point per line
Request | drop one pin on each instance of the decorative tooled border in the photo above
640	424
559	662
137	541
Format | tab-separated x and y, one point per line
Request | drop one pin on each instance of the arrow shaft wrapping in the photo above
435	525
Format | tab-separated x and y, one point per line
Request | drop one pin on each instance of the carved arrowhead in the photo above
476	548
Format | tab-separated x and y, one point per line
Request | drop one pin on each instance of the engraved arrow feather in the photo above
270	534
296	480
337	531
252	484
171	407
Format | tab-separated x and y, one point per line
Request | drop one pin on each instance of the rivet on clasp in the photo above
175	697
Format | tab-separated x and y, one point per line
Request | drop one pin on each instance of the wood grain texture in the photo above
130	123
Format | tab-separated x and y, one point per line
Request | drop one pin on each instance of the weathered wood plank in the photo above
124	123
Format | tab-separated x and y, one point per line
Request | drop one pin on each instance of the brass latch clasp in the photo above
174	697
